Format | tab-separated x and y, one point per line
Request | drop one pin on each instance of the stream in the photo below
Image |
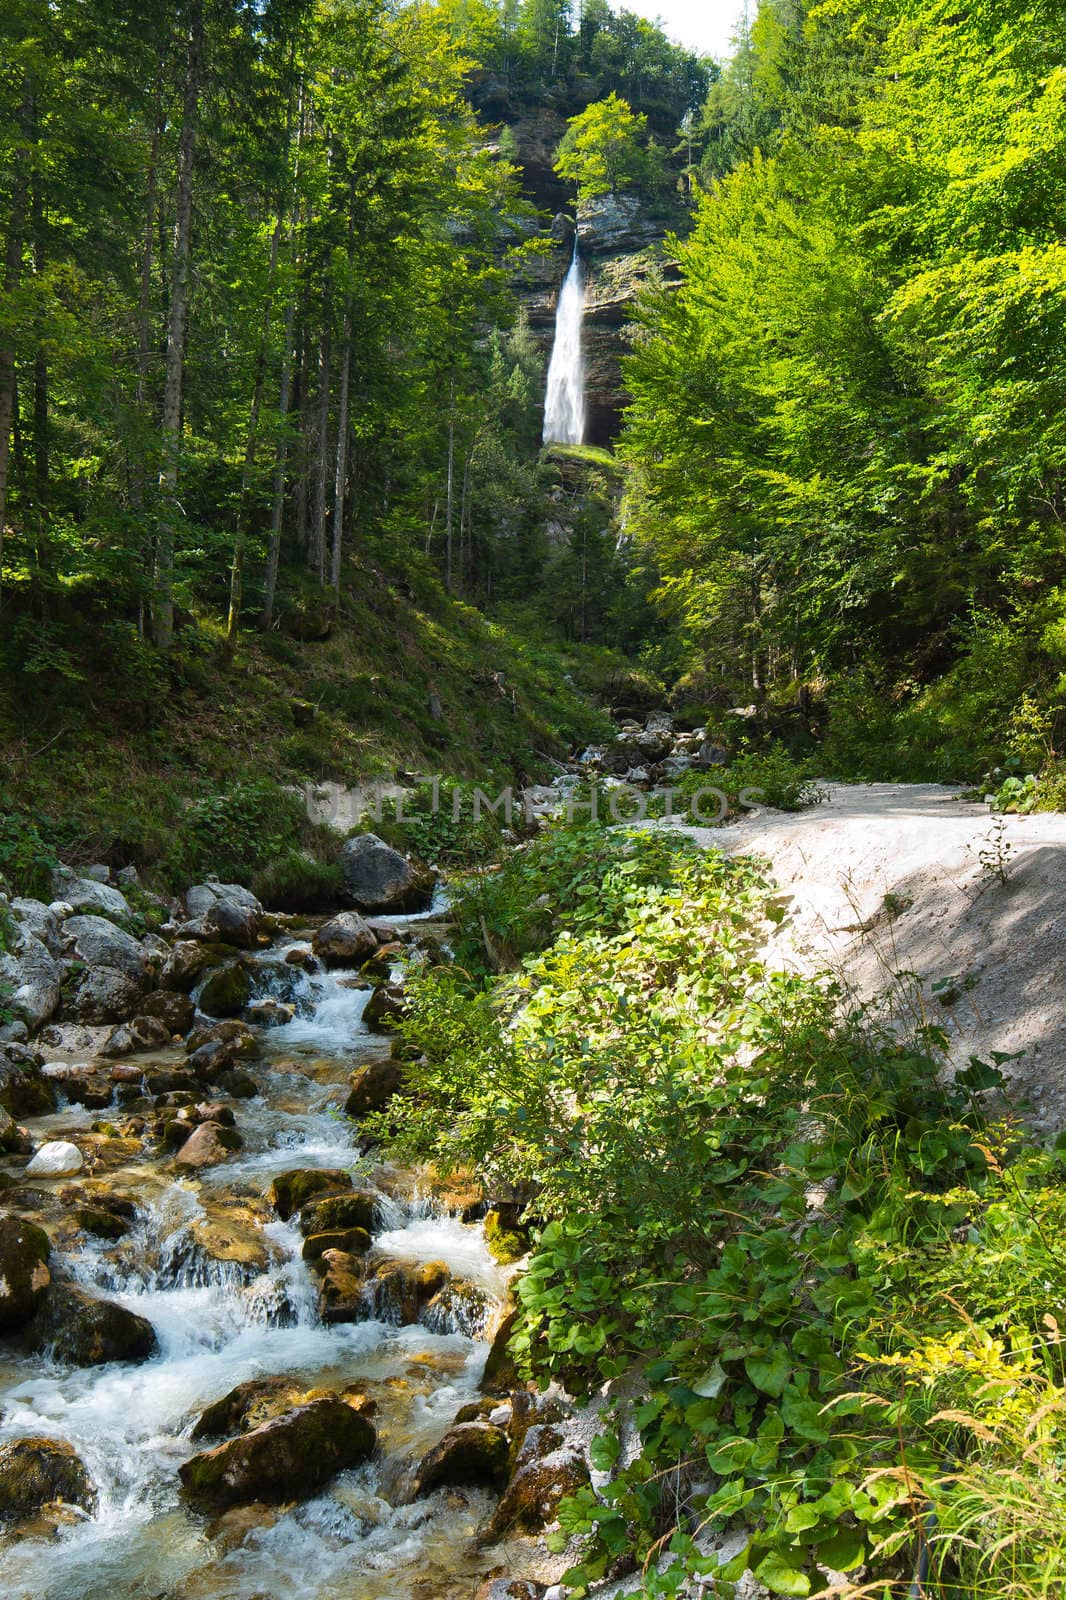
222	1317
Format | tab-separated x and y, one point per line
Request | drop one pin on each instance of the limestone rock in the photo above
373	1086
283	1459
58	1158
173	1009
88	894
355	1209
209	1144
225	991
24	1090
341	1297
86	1332
24	1275
34	1472
471	1453
378	878
248	1406
545	1472
345	940
183	966
140	1033
350	1241
34	977
226	911
385	1007
291	1190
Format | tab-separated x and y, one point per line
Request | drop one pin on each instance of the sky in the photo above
703	25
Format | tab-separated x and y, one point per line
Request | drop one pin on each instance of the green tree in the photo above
603	149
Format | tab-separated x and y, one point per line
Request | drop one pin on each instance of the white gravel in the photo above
949	918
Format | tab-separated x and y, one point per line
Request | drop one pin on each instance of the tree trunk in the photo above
277	510
340	473
12	274
40	360
450	493
316	552
163	608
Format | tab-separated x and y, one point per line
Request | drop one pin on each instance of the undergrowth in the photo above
837	1290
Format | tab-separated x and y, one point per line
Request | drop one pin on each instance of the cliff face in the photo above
622	246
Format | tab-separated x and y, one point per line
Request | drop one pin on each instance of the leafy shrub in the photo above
233	833
297	881
437	824
27	857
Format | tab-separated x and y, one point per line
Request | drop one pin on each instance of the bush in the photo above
297	881
27	857
233	833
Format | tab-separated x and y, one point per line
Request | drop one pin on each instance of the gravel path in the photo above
887	890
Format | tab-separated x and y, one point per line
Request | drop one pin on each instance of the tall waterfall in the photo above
564	405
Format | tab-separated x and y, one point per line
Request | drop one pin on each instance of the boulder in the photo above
140	1033
500	1374
58	1158
711	754
349	1241
108	967
237	1035
13	1139
24	1090
341	1297
95	942
546	1470
88	894
209	1144
291	1190
355	1209
182	968
345	940
509	1589
41	922
470	1454
86	1332
226	911
101	1224
399	1291
174	1010
225	991
35	1472
238	1085
34	977
270	1013
373	1086
378	878
248	1406
288	1457
24	1275
385	1007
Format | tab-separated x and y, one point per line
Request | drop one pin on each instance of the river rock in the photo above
248	1406
341	1297
24	1275
226	911
140	1033
356	1209
399	1290
350	1241
288	1457
385	1007
13	1139
373	1086
58	1158
182	968
711	754
291	1190
546	1470
86	1332
87	894
500	1374
35	1472
226	991
174	1010
41	922
24	1090
34	977
108	967
237	1035
209	1144
238	1085
471	1453
101	1224
509	1589
379	878
344	940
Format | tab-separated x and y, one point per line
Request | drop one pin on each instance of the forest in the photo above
424	426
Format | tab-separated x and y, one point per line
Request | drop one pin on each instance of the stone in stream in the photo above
341	1296
288	1457
470	1454
56	1159
356	1209
13	1139
546	1470
510	1589
378	878
385	1007
34	976
500	1374
226	991
174	1010
37	1472
373	1086
237	1035
101	1224
182	968
24	1275
140	1033
344	940
207	1145
399	1290
86	1332
238	1085
350	1241
248	1406
225	911
291	1190
24	1090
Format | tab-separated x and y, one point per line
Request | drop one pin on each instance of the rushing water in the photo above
564	404
221	1322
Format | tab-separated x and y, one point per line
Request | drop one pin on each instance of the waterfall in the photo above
564	405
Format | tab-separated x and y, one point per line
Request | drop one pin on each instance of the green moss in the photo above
507	1244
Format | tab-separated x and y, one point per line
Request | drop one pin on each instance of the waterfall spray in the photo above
564	405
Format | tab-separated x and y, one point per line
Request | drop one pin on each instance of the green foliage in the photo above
438	824
603	150
26	856
836	1290
231	834
298	881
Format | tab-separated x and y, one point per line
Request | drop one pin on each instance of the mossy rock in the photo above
102	1224
507	1242
545	1473
373	1086
470	1454
337	1212
352	1241
85	1332
37	1472
292	1190
500	1374
24	1275
287	1458
226	991
248	1406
